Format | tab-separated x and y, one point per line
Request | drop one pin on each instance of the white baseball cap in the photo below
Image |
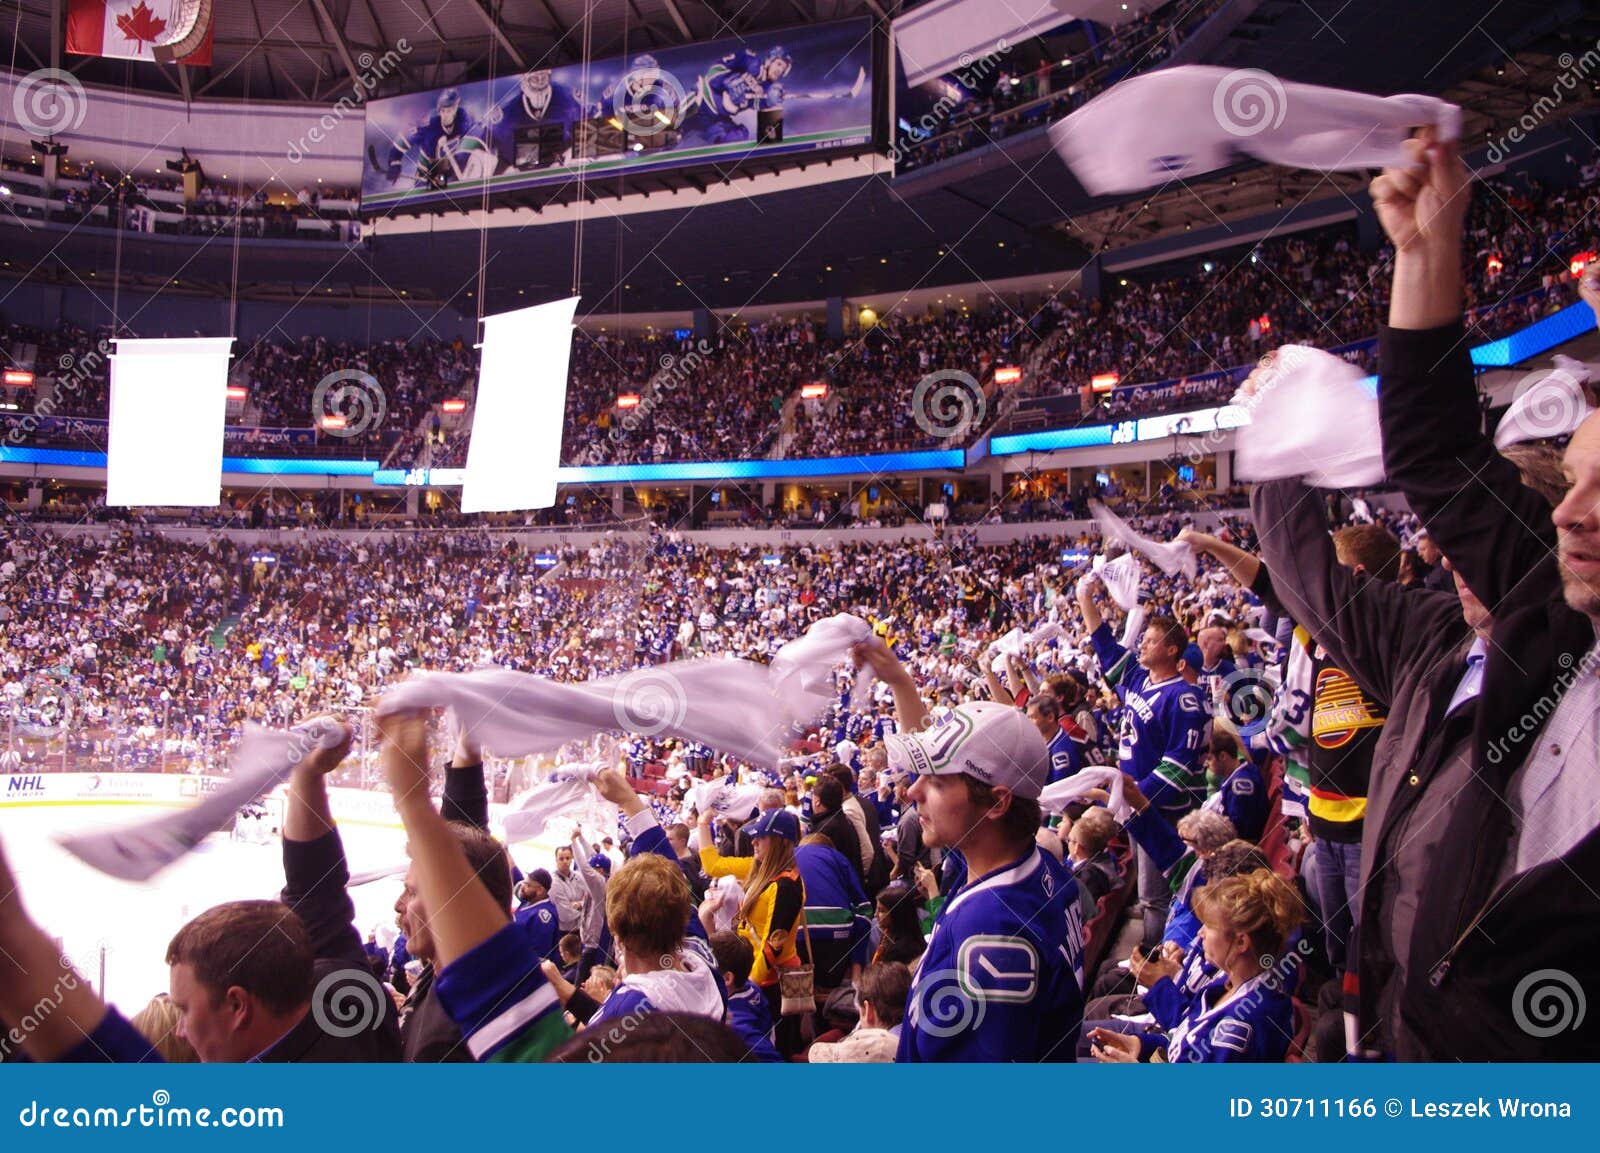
994	743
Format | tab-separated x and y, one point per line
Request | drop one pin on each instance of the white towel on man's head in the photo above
1055	798
1180	123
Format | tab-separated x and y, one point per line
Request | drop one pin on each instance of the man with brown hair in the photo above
244	979
1368	548
881	995
1002	978
224	1016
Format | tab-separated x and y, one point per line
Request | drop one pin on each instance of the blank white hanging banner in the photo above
972	38
520	411
169	402
1177	123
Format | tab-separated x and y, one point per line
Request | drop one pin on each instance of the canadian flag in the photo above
133	29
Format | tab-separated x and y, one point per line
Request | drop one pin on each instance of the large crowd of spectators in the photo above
121	640
737	394
168	646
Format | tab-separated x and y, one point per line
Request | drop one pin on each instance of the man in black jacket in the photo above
1479	904
428	1033
315	875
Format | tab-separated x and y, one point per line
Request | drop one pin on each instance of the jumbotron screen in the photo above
798	90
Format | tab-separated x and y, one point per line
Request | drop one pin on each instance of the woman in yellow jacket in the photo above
774	898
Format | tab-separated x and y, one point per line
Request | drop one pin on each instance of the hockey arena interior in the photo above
803	531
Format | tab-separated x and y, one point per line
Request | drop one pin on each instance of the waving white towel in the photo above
1121	578
265	757
1310	417
566	791
1055	798
726	704
1170	558
802	670
1179	123
736	802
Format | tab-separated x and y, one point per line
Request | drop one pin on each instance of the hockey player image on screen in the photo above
745	82
646	100
539	99
742	82
448	147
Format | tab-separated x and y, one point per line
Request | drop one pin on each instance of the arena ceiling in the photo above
309	50
998	212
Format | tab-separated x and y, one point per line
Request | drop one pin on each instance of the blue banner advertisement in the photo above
797	90
1356	352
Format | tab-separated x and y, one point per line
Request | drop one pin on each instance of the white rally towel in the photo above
735	802
265	758
1179	123
1170	558
1134	626
1055	798
1016	642
726	704
1310	417
1548	404
1121	579
802	670
566	792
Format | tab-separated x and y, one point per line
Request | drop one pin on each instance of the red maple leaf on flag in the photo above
141	23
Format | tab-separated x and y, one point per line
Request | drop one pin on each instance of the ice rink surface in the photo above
132	922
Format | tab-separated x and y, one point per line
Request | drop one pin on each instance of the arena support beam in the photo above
499	33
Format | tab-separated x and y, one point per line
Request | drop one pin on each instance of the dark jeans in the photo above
1155	898
1337	885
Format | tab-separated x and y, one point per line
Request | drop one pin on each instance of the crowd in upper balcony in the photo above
738	392
156	202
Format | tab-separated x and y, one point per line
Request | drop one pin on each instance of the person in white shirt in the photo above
881	993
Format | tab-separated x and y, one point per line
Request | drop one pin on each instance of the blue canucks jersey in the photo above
750	1016
1066	756
519	111
1242	798
1255	1024
432	140
1163	726
543	927
1211	678
1169	998
1002	979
